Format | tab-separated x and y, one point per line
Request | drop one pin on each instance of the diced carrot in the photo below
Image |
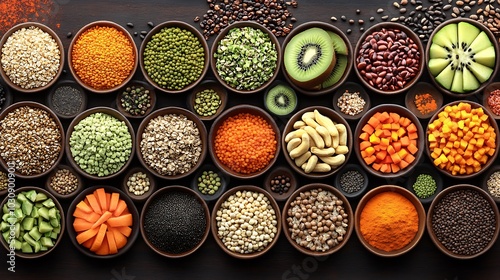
111	242
384	116
120	221
412	149
122	205
80	224
395	117
369	151
391	150
385	168
395	168
403	121
376	166
411	128
115	197
373	122
105	216
364	136
86	235
84	207
403	164
103	249
381	155
387	159
125	230
397	146
363	145
413	135
409	158
100	194
395	158
369	160
99	238
94	203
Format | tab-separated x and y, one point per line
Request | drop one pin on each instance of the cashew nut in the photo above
294	134
303	158
310	164
325	135
326	122
292	144
327	152
334	160
342	134
299	124
318	140
322	167
302	148
342	150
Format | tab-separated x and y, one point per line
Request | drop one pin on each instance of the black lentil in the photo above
136	100
175	222
67	100
464	222
351	181
280	184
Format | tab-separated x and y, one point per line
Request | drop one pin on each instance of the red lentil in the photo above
494	101
245	143
103	57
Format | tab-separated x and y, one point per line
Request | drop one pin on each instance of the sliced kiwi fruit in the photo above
461	57
337	72
339	45
281	100
309	57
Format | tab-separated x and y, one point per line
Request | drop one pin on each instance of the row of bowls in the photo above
353	224
210	59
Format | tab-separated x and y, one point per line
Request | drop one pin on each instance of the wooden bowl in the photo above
70	195
351	87
8	96
429	170
266	105
215	226
486	94
403	112
423	88
46	29
491	159
484	181
450	225
336	118
5	172
37	105
347	209
131	208
407	194
50	96
493	40
348	168
210	85
62	222
222	35
102	23
154	197
389	25
146	195
330	28
231	112
167	111
136	83
105	110
184	26
224	180
283	171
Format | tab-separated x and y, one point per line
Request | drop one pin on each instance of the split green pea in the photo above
207	102
425	186
100	144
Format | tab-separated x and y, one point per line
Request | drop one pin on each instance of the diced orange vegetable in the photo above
369	160
368	129
373	122
363	145
412	149
364	136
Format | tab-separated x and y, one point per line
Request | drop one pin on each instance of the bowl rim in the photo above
102	23
64	196
417	89
34	104
350	56
420	141
223	177
222	199
425	168
62	222
152	184
234	110
208	84
8	96
362	93
280	169
418	207
486	93
146	86
338	119
350	167
493	123
132	209
59	43
179	111
493	40
181	189
412	35
451	189
113	113
223	33
50	102
347	208
188	27
492	169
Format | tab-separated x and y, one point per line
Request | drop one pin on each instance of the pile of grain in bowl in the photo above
31	138
171	144
30	58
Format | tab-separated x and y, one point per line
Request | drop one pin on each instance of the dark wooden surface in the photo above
210	262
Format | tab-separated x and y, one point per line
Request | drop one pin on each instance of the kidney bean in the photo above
389	59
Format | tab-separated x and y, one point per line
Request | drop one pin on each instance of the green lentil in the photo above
209	182
424	186
207	102
100	144
174	58
136	100
246	58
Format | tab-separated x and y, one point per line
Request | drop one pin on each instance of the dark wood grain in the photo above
210	262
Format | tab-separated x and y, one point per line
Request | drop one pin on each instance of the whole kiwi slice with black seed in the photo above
281	100
337	72
309	58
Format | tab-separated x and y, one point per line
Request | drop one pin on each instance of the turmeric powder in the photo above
389	221
425	103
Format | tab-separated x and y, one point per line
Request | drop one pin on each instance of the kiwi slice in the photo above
281	100
339	44
309	57
337	72
461	57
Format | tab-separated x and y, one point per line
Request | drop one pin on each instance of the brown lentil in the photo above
317	220
31	58
3	181
64	182
351	103
138	183
30	138
171	144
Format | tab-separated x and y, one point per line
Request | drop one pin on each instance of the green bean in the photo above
425	186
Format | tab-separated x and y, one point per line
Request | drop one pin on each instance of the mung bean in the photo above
424	186
207	102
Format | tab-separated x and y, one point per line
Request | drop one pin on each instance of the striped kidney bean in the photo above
388	59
